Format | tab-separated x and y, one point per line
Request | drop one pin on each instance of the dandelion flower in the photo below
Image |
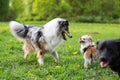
78	65
86	67
69	46
74	53
58	67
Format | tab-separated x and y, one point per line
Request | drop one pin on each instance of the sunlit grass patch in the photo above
4	29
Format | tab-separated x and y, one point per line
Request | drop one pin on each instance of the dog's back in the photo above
91	52
94	52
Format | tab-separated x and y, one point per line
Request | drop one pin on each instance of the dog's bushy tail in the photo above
18	30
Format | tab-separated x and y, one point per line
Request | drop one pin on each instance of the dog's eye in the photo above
83	38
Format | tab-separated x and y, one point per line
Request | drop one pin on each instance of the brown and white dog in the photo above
43	40
88	48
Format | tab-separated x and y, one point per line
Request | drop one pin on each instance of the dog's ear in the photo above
91	39
61	23
64	23
67	23
97	42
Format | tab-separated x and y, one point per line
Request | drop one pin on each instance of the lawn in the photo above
70	67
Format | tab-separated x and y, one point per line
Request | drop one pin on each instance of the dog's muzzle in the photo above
68	34
103	62
81	41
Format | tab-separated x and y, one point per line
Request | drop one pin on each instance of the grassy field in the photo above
70	67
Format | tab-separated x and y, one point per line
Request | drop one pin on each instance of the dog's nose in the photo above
102	58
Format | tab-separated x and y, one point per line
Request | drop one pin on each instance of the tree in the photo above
16	9
4	8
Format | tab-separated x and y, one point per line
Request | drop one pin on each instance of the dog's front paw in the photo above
40	61
57	61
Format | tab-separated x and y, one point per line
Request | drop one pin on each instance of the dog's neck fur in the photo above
52	37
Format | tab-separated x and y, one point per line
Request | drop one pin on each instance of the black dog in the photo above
109	54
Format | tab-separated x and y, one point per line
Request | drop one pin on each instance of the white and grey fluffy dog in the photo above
44	40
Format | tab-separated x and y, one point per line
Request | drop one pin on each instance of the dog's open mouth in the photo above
104	64
81	41
67	33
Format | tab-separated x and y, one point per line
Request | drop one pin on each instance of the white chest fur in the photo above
53	42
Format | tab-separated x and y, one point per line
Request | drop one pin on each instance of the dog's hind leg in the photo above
56	57
87	59
40	56
86	62
27	48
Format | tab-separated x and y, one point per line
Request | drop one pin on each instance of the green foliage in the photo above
46	9
74	10
70	66
16	9
96	10
4	8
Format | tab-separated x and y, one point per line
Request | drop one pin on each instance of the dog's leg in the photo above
86	62
26	50
81	50
40	57
86	59
56	57
90	61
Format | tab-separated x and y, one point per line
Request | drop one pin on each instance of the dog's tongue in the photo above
103	64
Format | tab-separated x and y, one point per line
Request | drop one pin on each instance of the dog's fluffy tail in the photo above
18	30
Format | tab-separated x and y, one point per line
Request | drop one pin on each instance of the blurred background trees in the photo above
74	10
4	9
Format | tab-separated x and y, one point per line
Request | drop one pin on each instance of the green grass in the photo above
70	67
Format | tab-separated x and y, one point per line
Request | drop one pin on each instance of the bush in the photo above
74	10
